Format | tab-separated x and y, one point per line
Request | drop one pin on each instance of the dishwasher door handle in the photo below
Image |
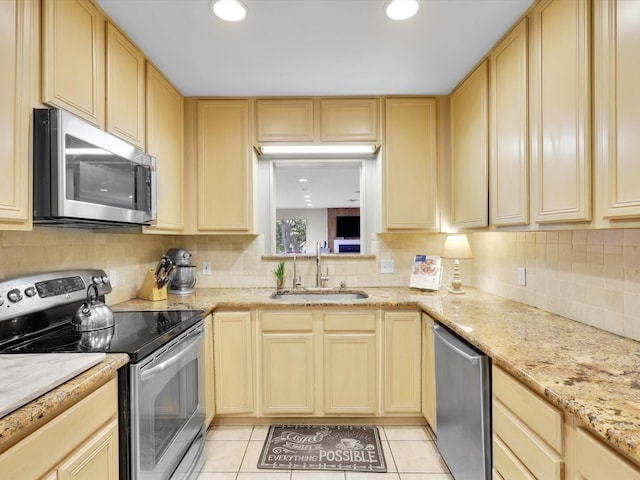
439	330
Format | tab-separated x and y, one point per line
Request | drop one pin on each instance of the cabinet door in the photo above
125	88
560	92
402	358
508	126
209	387
73	50
165	141
284	120
350	362
233	365
17	56
288	363
96	459
617	104
349	119
428	373
410	174
470	151
225	170
596	461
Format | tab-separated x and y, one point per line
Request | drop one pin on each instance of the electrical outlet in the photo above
522	276
112	277
206	268
386	266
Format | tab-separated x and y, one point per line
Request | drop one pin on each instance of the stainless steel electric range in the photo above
161	394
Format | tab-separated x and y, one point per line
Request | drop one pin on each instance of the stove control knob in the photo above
1	301
14	295
30	291
106	279
95	279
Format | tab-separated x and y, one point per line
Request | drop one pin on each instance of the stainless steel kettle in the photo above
93	314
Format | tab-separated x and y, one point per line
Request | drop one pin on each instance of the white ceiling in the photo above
328	185
315	47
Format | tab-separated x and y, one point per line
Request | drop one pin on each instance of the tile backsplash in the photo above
592	276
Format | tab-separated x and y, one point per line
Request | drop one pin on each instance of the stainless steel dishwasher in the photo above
463	408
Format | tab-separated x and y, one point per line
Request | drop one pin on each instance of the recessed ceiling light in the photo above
402	9
229	10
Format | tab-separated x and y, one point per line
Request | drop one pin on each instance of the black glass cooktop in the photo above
135	333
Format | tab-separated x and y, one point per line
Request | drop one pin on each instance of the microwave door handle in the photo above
154	192
170	361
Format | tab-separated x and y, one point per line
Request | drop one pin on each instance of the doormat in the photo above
323	447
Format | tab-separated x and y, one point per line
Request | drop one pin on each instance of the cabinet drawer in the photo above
289	321
542	418
349	321
539	459
506	465
595	461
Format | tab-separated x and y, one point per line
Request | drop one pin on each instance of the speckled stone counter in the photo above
590	374
19	423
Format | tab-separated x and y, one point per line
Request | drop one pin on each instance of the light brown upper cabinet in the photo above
225	166
125	88
165	141
18	56
349	119
508	127
617	106
316	120
470	150
284	120
73	50
410	173
560	111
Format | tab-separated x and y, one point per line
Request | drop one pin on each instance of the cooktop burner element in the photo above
134	333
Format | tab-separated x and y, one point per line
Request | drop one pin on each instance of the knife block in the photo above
149	289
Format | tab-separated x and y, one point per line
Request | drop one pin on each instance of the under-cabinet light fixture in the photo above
229	10
402	9
317	149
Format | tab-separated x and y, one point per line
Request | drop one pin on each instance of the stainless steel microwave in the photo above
83	176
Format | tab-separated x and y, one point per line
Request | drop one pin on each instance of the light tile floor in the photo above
231	453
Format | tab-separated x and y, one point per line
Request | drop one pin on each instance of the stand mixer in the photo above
183	277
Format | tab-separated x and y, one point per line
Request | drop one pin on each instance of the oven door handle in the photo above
144	376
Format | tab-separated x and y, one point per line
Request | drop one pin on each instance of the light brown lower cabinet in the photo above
210	398
534	440
317	362
351	361
288	363
81	443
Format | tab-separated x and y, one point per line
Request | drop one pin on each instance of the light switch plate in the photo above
386	266
206	268
522	276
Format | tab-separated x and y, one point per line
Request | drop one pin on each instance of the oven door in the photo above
167	406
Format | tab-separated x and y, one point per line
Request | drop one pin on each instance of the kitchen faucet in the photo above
297	282
320	279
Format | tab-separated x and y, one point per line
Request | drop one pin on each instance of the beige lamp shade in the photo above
456	246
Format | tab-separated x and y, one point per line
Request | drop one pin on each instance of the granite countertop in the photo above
24	420
591	374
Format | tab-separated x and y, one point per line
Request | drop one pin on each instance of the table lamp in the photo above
456	247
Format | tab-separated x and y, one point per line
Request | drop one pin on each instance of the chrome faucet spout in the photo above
297	282
320	279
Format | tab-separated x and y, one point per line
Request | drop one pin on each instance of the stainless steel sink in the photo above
319	295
